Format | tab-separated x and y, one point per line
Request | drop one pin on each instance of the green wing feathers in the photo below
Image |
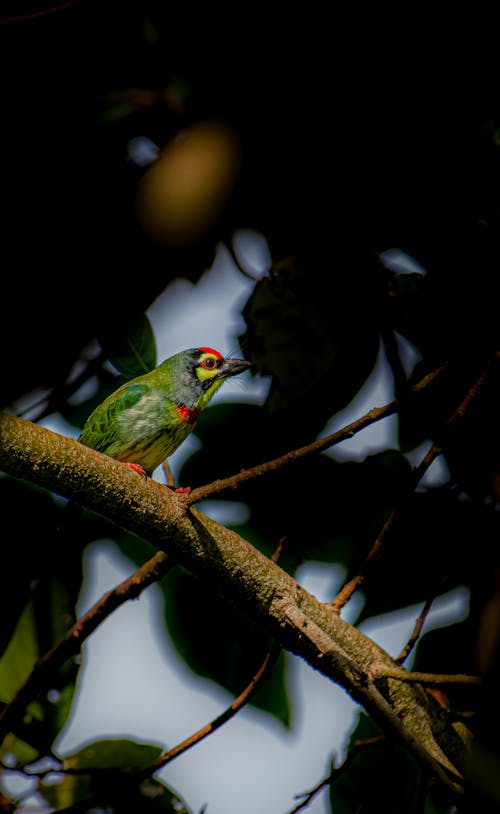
102	430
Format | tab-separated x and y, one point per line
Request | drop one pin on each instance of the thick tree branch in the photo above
244	576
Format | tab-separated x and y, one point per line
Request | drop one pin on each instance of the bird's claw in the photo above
180	490
136	468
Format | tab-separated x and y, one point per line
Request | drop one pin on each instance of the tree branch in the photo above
417	629
72	641
244	576
221	719
376	414
336	772
428	679
435	450
37	15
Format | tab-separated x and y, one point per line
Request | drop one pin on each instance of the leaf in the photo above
451	649
113	753
19	656
430	541
302	330
132	353
223	645
45	619
22	750
381	777
116	796
31	515
110	780
219	643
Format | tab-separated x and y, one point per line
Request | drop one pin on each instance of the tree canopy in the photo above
132	149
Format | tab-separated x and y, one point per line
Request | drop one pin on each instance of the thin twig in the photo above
436	449
417	630
428	679
240	702
36	15
221	719
357	747
279	549
376	414
72	641
169	478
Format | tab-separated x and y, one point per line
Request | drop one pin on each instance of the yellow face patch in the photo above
208	364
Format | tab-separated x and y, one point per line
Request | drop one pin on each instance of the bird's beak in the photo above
231	367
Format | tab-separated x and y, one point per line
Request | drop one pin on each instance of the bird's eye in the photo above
209	363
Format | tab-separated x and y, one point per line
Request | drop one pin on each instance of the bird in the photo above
146	419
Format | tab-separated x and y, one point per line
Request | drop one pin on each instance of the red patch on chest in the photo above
187	414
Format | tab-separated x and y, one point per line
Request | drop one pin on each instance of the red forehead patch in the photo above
211	350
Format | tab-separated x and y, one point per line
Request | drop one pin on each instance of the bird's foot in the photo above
180	490
136	468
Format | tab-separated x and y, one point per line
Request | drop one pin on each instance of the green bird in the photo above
146	419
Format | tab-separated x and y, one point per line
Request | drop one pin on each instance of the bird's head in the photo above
199	372
211	366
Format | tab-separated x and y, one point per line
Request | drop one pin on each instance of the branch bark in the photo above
244	576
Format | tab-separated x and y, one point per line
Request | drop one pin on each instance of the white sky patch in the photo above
252	252
408	353
226	512
400	262
208	314
438	474
392	630
324	580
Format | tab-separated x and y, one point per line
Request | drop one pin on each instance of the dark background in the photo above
356	138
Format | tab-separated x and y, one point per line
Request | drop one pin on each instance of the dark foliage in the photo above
343	157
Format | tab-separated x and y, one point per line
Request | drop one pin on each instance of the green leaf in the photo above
381	777
19	656
31	515
214	639
218	642
45	619
301	331
113	753
23	751
110	780
70	789
431	540
111	793
132	353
